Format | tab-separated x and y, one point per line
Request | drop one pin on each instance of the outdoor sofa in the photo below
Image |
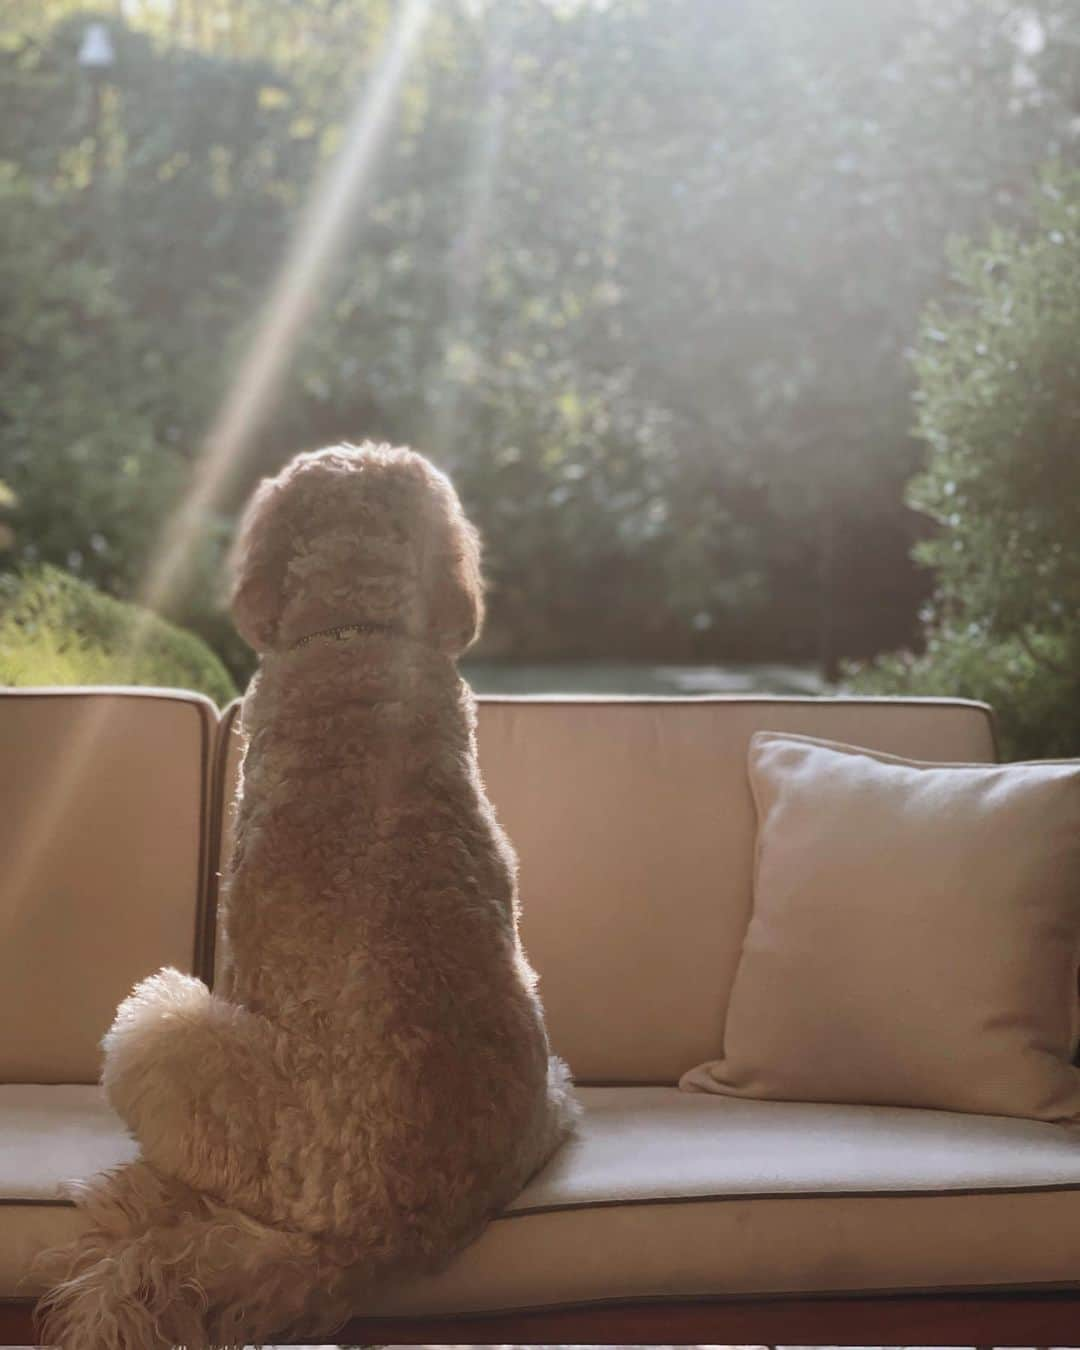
675	1217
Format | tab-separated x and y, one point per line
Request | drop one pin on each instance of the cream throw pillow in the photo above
915	935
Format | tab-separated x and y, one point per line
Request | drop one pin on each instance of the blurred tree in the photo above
999	407
136	233
77	443
780	180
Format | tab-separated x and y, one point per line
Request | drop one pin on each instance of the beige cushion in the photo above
672	1194
635	828
915	935
103	836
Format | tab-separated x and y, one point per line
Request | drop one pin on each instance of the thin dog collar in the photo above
343	631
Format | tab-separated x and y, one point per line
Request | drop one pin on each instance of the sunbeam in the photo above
291	301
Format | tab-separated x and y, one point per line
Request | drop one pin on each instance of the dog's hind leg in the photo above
202	1084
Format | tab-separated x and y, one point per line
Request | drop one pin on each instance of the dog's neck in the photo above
342	632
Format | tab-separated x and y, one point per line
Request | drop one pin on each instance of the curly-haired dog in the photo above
371	1082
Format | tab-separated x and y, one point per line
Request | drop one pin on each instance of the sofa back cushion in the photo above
634	826
104	846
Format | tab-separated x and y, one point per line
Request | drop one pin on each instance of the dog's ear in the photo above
257	566
456	606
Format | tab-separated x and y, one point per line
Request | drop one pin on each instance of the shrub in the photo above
999	407
56	629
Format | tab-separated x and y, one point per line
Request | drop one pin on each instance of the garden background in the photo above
677	290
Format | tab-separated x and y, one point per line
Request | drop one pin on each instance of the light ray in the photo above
294	294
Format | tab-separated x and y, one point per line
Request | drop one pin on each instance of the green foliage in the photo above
56	629
77	447
1035	705
999	408
641	275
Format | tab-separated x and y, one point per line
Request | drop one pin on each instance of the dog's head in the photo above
369	534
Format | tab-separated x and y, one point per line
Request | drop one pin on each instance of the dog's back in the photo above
371	914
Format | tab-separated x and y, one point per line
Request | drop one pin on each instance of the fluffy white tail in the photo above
163	1265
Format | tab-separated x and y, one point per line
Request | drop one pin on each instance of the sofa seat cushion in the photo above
669	1194
49	1133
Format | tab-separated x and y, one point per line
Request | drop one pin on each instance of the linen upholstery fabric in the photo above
915	935
634	826
678	1195
103	837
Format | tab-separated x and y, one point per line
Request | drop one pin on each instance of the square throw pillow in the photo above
915	935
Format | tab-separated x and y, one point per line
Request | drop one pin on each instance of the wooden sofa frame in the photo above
984	1319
